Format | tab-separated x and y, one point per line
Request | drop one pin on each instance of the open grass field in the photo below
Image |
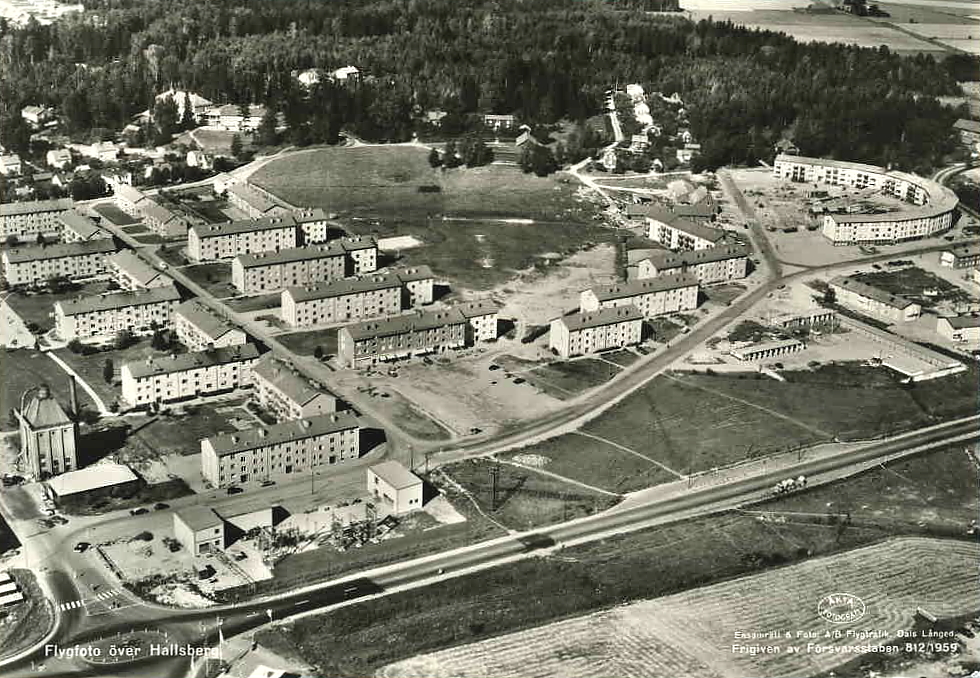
261	302
306	343
39	307
525	499
215	277
912	282
114	214
692	633
564	380
27	623
26	368
90	367
356	641
182	433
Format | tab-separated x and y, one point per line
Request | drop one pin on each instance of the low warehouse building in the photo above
769	349
395	487
199	530
100	480
960	328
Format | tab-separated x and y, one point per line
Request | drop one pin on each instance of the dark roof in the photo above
338	288
201	317
604	316
106	302
296	387
964	249
665	259
403	324
291	254
298	429
477	308
413	273
967	126
60	250
190	361
244	226
12	208
42	410
309	214
871	292
960	322
658	212
645	286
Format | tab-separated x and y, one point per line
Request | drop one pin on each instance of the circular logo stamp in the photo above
841	608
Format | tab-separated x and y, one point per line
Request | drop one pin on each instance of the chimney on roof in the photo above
73	395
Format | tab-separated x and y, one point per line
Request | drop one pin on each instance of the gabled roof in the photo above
396	475
413	273
287	431
135	267
600	318
645	286
244	225
291	254
201	317
967	126
191	361
71	249
253	198
961	322
156	210
82	226
338	288
35	206
310	214
403	324
871	292
667	260
43	410
964	249
294	386
127	192
477	308
108	302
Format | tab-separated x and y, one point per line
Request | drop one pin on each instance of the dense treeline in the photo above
541	59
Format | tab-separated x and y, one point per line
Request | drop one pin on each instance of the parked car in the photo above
235	490
267	482
138	511
81	547
161	506
61	520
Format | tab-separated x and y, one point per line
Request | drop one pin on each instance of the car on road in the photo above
161	506
81	547
138	511
235	490
61	520
268	483
46	523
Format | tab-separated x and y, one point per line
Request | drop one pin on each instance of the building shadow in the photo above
96	443
370	439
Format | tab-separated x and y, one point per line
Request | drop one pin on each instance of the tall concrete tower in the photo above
48	434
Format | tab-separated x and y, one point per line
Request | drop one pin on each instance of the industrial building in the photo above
139	311
199	329
652	296
587	332
291	447
396	489
39	263
401	336
873	301
48	434
719	264
286	393
99	480
188	375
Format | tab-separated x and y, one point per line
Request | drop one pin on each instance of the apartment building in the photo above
960	329
165	221
312	224
291	447
722	263
675	231
199	329
481	320
38	263
211	242
963	255
417	285
587	332
132	273
188	375
286	393
77	227
232	117
873	301
255	203
652	296
371	341
342	300
274	271
27	219
104	316
130	200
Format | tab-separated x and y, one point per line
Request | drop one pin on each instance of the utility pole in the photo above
494	476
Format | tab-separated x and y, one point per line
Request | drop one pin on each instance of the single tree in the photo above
108	370
40	240
124	339
435	160
187	116
267	128
11	240
830	296
318	353
158	341
236	145
450	157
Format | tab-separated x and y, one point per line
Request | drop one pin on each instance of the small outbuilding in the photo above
395	487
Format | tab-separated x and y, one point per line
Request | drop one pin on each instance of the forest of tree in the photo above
543	60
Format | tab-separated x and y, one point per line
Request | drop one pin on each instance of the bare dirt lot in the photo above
695	633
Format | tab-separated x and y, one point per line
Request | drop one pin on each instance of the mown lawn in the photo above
306	343
564	380
25	368
38	307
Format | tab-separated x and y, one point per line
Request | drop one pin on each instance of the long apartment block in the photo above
874	301
675	231
719	264
254	202
587	332
188	375
77	227
299	447
263	272
104	316
652	296
286	393
38	263
212	242
27	219
132	273
199	329
417	333
369	296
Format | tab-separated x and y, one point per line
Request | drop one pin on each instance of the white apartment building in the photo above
30	218
933	205
10	165
199	329
58	158
588	332
76	227
342	300
163	220
313	225
130	200
132	273
960	329
402	336
211	242
286	393
673	231
291	447
36	264
104	316
652	296
188	375
417	285
719	264
275	271
481	320
873	301
253	202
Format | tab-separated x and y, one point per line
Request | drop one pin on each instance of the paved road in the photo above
199	627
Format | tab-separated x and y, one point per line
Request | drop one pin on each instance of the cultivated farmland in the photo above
693	633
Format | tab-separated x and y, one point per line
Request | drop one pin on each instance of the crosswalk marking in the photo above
75	604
